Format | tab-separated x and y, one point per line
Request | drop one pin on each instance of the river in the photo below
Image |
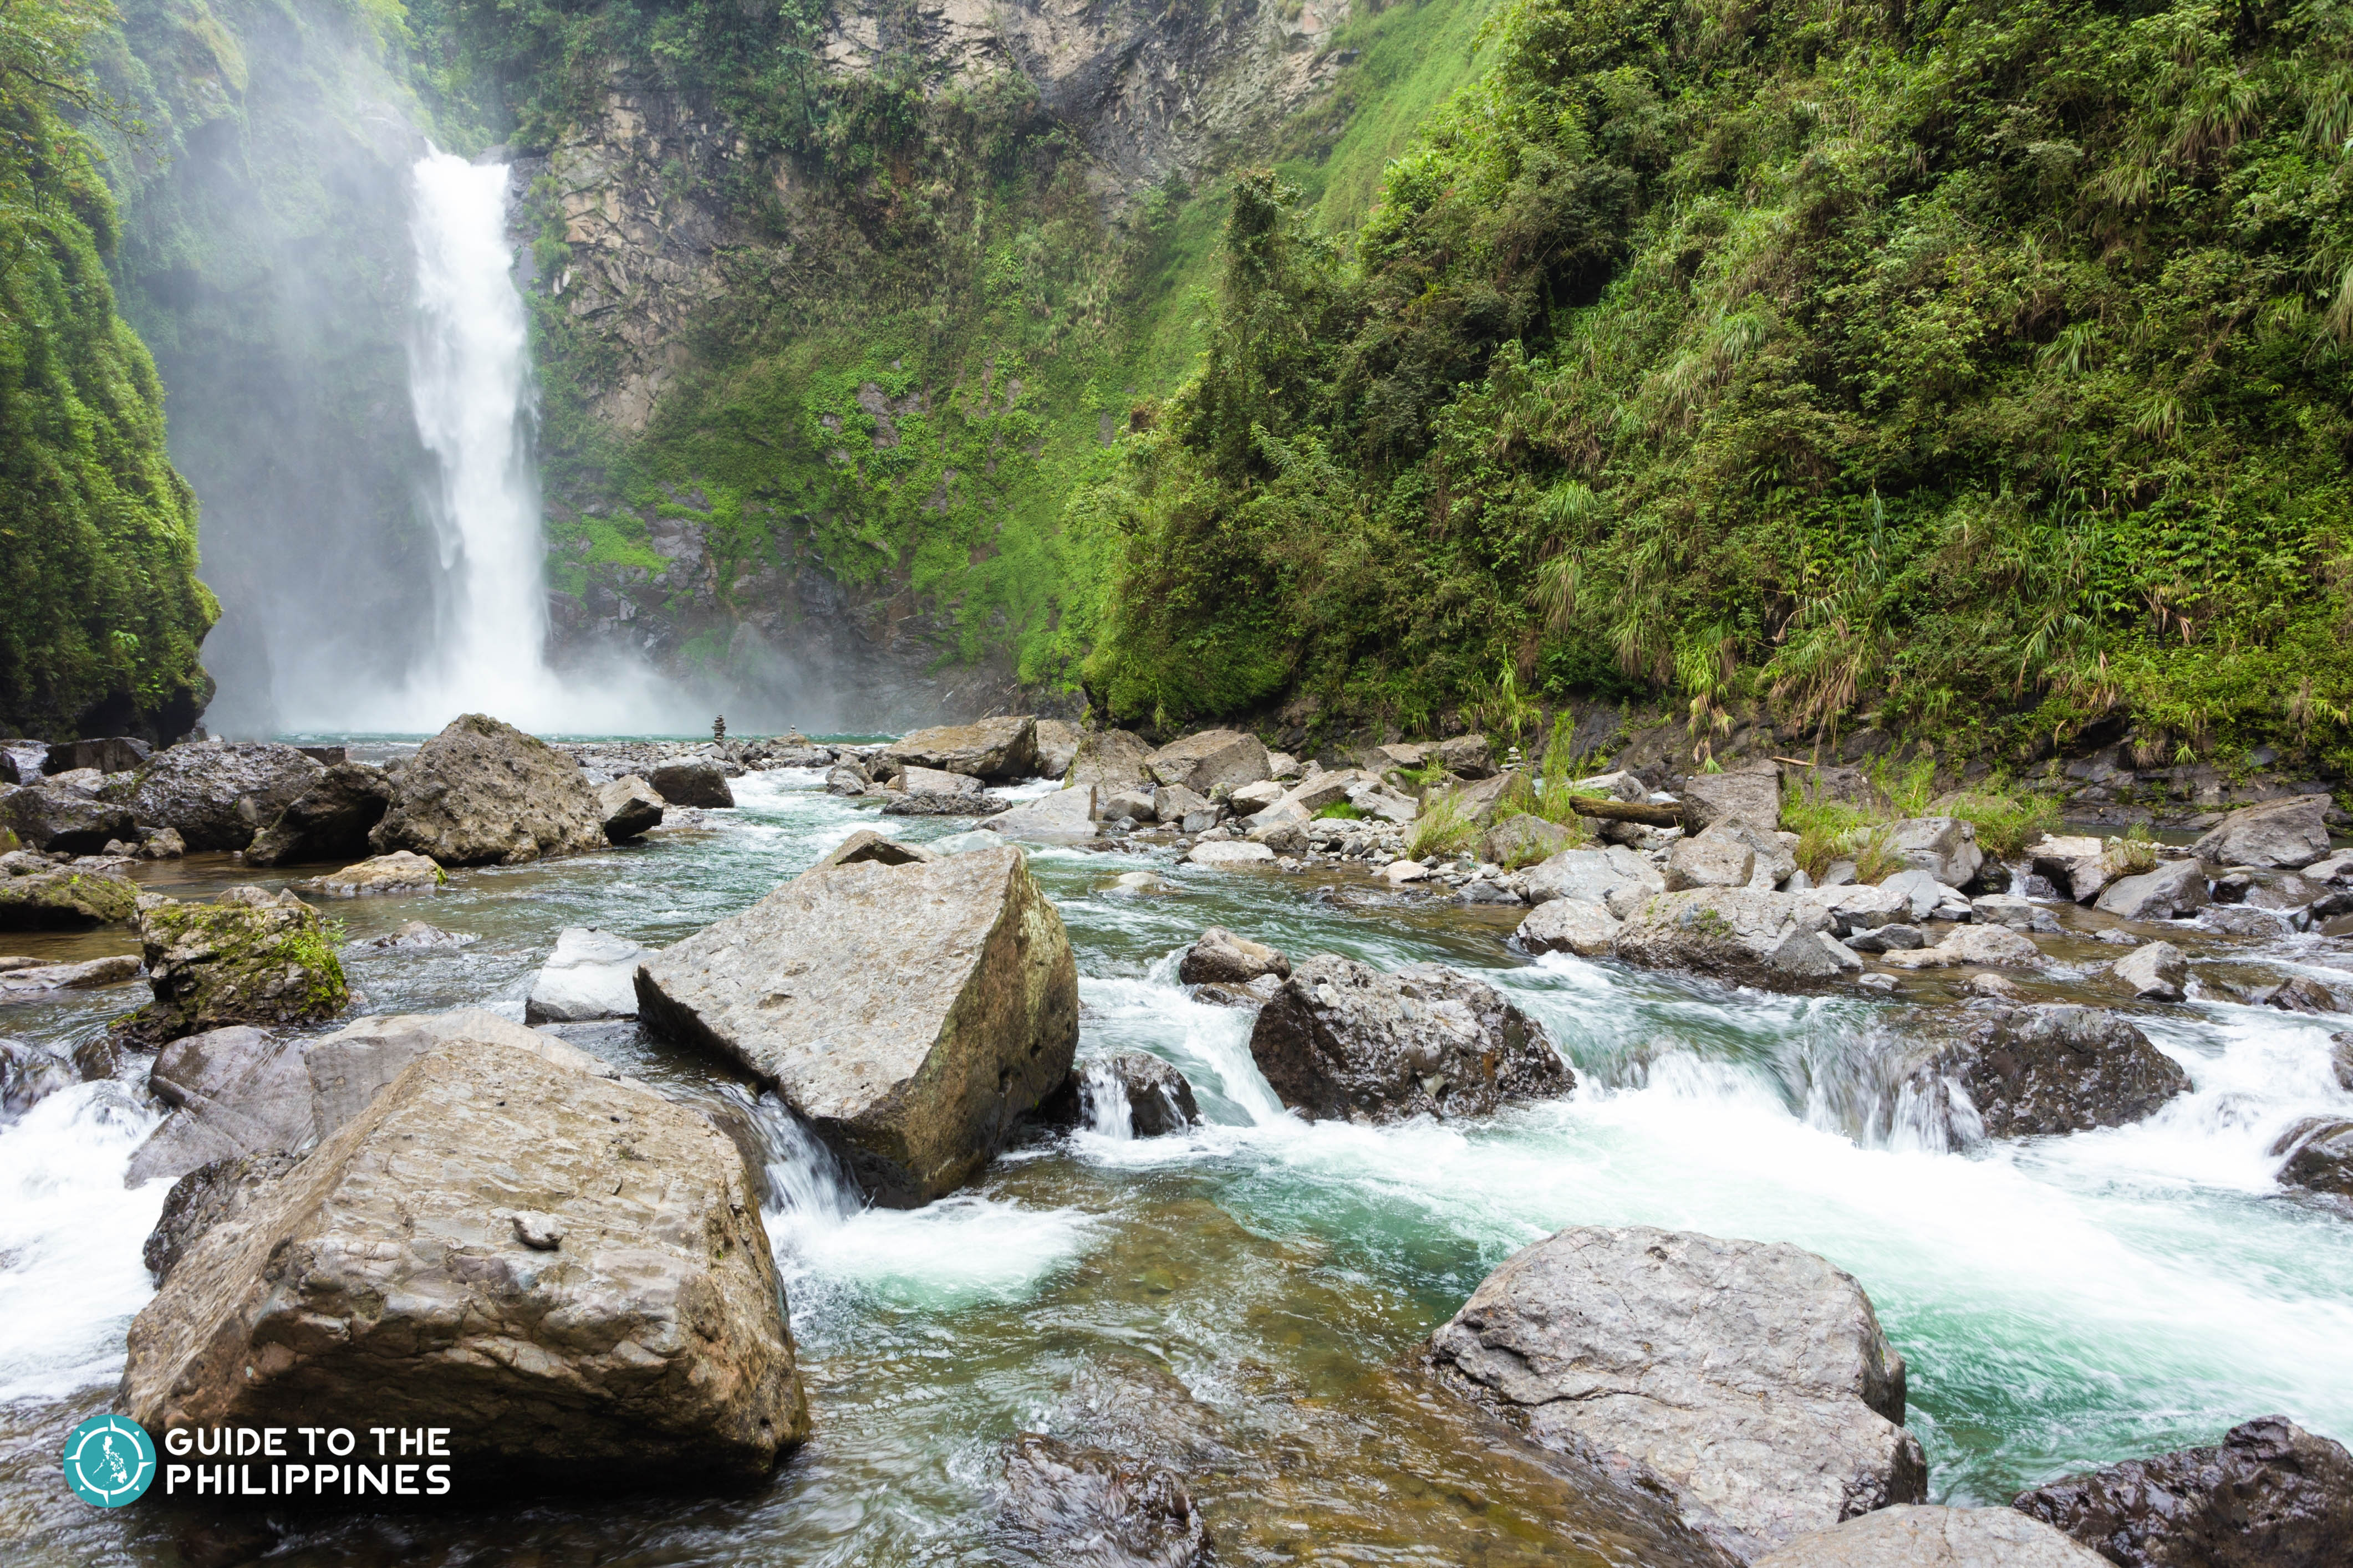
1244	1300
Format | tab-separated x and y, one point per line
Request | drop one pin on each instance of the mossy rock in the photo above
252	957
35	895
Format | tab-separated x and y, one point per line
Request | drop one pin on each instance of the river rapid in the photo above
1243	1301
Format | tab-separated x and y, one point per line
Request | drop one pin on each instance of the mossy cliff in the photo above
98	532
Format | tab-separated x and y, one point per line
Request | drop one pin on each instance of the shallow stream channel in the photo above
1243	1302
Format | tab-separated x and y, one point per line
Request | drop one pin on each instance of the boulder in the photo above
1468	756
60	821
692	783
1132	804
329	821
1172	803
90	975
1341	1041
2037	1071
1253	798
234	1092
1129	1094
1396	873
1922	893
2302	994
109	755
912	1013
418	936
2319	1152
591	975
915	779
2340	1058
2156	972
351	1067
1742	934
1568	925
1222	957
205	1197
2270	1495
1892	937
575	1264
1777	860
868	845
1062	1503
1994	945
398	872
1211	761
1379	801
30	1073
249	957
1922	1535
162	844
999	750
631	808
1480	803
1066	816
1712	860
2281	834
1111	760
219	794
2176	888
1249	994
1944	846
2008	909
1597	877
847	779
1617	785
35	895
1228	852
1749	1380
2077	863
1058	747
1522	840
1753	792
483	793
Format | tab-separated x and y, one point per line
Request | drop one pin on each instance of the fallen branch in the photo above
1627	811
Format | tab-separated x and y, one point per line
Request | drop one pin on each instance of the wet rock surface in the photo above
697	784
1752	1381
1911	1535
1341	1041
1220	956
2270	1495
398	872
998	750
2035	1070
58	820
1568	925
1131	1090
2319	1156
329	821
219	795
2175	889
1061	1503
249	957
591	975
483	793
1732	933
30	1073
631	808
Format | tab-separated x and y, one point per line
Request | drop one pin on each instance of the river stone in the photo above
249	957
61	821
846	778
591	975
1173	803
219	794
1155	1096
1058	747
204	1198
913	1014
1219	956
1468	756
2319	1151
927	803
2156	972
1568	925
1066	816
998	750
2340	1058
1920	1535
387	1273
1111	760
1750	1379
90	975
1228	852
1133	803
2043	1070
868	845
2175	889
351	1067
37	895
398	872
2076	863
1944	846
1712	860
2282	834
1753	792
1341	1041
1253	798
692	783
1522	840
2008	909
1996	945
1590	875
329	821
1210	761
915	779
234	1092
108	755
2270	1495
1061	1503
631	806
30	1073
1743	934
1922	893
418	936
483	793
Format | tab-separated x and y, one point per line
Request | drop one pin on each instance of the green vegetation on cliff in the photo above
98	533
1979	367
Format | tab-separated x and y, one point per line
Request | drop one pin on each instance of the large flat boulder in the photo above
1341	1041
2176	888
1712	859
329	821
483	793
1966	944
1110	760
40	895
1066	816
575	1264
998	749
234	1092
57	820
1210	761
90	975
1614	875
220	793
1752	793
1748	935
2282	834
591	975
691	784
249	957
2031	1071
913	1014
398	872
1748	1379
1923	1535
2269	1495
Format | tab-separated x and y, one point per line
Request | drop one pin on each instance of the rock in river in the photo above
61	821
696	784
1111	760
568	1272
1616	876
1066	816
998	749
483	793
36	894
398	872
1750	1379
1220	956
1568	925
1920	1535
2283	834
329	821
591	975
1342	1041
913	1014
631	808
1128	1093
219	794
1210	761
249	957
2173	889
2270	1495
1747	934
2051	1070
2155	971
1065	1504
1944	846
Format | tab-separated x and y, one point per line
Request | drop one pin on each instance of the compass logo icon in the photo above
110	1460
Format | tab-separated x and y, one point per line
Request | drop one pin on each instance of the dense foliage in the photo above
1979	368
98	532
